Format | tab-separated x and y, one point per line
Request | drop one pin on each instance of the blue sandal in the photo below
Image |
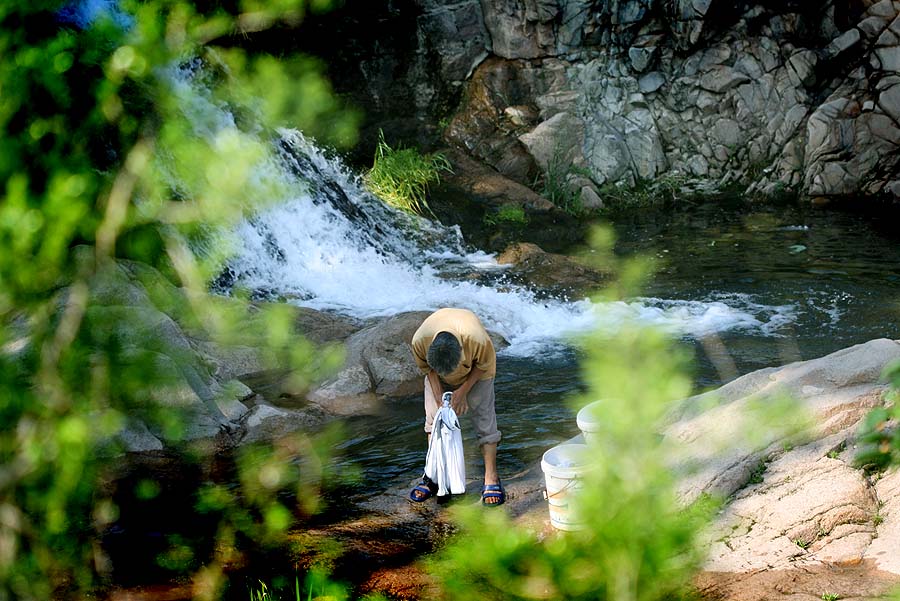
493	491
427	488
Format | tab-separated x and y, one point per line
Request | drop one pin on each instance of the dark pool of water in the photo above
837	272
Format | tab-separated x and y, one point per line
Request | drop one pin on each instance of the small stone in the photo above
521	115
871	26
722	79
651	82
843	43
590	199
641	57
699	166
889	101
721	153
728	133
894	188
884	8
802	67
888	58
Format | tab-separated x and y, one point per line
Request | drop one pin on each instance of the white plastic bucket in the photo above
589	422
564	466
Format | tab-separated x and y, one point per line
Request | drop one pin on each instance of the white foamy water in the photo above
330	245
328	258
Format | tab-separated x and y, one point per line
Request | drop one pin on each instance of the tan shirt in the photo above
477	348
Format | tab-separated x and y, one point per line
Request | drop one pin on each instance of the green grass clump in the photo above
401	176
507	215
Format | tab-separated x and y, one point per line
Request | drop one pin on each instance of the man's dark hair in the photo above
444	353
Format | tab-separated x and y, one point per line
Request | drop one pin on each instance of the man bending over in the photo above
455	353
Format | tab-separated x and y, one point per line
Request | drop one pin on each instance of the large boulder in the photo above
379	366
723	436
186	402
200	392
793	503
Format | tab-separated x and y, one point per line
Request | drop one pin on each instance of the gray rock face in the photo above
128	303
199	394
670	87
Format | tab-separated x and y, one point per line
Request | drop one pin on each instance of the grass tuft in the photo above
401	176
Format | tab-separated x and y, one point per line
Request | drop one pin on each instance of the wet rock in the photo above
322	327
550	270
483	185
267	423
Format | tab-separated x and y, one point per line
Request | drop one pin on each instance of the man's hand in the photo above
459	403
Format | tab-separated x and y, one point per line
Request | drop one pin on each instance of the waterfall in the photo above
331	245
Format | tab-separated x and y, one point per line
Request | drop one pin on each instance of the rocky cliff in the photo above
768	97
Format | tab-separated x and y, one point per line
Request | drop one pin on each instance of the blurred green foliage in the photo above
117	202
639	537
316	587
879	437
638	541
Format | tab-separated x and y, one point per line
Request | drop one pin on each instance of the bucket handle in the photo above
573	482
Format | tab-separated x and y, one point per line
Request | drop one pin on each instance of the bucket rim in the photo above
572	470
583	417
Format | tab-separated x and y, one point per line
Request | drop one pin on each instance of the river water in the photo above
807	280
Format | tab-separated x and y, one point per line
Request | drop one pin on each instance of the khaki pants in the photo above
481	408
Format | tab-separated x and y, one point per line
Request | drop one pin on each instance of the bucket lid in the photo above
588	419
568	459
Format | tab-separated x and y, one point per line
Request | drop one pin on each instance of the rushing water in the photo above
747	287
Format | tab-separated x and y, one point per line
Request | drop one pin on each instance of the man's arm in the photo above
436	388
